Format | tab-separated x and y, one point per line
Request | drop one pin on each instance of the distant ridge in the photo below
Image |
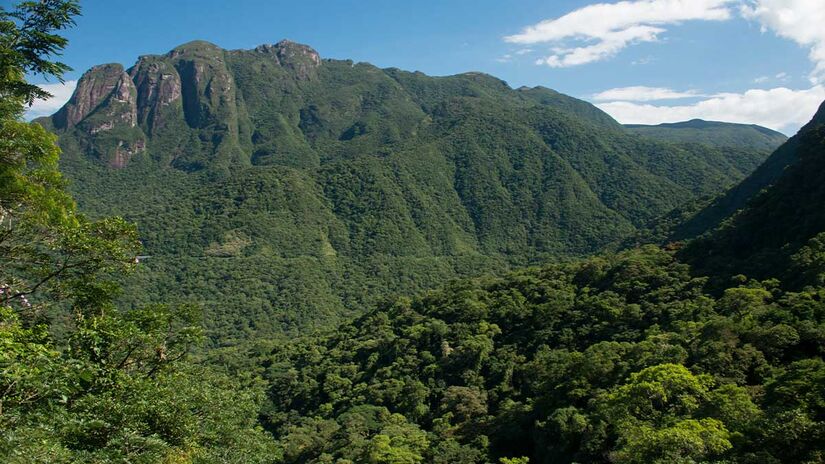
720	134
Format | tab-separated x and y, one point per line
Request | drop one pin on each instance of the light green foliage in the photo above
658	393
521	460
683	442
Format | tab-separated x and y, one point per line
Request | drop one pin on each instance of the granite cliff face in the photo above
101	85
159	91
103	112
188	95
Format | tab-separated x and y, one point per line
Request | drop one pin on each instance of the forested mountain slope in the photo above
282	190
779	228
647	356
719	134
704	214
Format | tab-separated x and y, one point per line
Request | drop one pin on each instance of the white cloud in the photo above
603	29
798	20
524	51
60	95
761	80
778	108
643	94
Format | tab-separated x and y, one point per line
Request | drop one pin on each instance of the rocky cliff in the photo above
188	94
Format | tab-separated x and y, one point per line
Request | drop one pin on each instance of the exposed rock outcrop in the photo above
97	86
187	97
104	112
301	59
159	90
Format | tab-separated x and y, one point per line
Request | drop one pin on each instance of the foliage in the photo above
29	41
81	381
309	190
622	358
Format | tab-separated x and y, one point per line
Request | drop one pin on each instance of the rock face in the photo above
97	86
301	59
103	111
158	89
188	95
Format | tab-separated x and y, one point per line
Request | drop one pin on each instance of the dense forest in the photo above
420	240
286	192
620	358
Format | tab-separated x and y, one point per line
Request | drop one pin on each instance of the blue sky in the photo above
645	61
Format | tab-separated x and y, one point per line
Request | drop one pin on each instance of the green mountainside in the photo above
721	134
778	226
703	214
282	191
647	356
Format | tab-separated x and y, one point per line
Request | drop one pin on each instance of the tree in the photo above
45	245
114	386
653	417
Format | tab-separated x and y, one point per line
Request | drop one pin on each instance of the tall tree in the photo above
114	387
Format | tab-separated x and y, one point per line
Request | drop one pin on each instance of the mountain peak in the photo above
94	87
289	49
716	133
301	58
195	45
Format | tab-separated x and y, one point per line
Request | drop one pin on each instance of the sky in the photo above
642	61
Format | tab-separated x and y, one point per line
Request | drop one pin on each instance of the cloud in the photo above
798	20
778	108
602	30
761	80
60	95
643	94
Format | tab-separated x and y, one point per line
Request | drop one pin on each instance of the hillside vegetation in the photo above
709	350
282	191
778	231
720	134
622	359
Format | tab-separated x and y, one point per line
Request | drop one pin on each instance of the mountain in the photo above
709	353
283	191
720	134
704	214
780	220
